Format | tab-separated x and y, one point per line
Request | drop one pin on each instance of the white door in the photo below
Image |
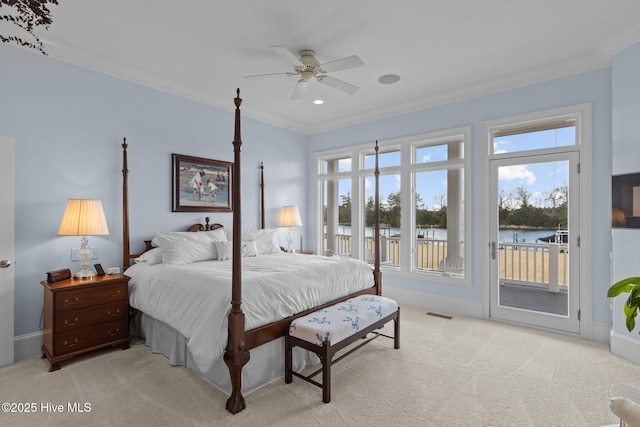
534	279
6	250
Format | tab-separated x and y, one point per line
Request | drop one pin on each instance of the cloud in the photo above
517	172
498	143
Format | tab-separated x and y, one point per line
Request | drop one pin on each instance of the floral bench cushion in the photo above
337	322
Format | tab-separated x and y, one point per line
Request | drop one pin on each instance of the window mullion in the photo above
407	212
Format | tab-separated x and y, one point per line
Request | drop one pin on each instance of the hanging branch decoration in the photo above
26	14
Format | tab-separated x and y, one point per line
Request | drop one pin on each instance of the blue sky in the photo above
539	178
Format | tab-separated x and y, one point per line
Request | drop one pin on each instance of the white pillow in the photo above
151	257
266	239
217	234
224	249
183	247
249	248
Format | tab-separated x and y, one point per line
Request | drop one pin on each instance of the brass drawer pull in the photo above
114	294
75	321
71	301
114	314
113	334
73	344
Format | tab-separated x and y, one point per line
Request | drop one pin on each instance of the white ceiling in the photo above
442	50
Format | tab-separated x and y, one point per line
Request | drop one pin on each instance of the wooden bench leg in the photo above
326	372
288	362
396	331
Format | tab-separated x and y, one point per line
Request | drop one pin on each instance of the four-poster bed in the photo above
277	287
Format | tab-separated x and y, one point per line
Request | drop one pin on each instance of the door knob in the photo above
5	263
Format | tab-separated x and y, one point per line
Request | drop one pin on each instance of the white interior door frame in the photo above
7	250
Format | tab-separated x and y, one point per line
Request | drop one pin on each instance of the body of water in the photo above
510	235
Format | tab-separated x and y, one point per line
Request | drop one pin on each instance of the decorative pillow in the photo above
224	249
186	247
151	257
249	248
266	239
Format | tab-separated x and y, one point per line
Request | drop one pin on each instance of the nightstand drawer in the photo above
86	338
89	297
68	321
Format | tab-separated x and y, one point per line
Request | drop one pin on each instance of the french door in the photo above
534	265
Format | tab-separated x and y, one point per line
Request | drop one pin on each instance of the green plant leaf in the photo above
630	313
624	285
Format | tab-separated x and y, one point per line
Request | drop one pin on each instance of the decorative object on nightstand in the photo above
84	218
290	217
84	315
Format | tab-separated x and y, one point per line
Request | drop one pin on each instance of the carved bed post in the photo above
235	356
126	250
377	274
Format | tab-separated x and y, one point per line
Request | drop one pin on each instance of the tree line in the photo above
515	208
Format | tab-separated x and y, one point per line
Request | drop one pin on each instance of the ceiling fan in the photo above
306	66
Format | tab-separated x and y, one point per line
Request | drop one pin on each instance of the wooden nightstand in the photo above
84	315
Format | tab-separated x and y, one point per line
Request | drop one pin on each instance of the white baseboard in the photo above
446	305
625	347
600	332
27	347
436	303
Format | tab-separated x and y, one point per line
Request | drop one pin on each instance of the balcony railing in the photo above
543	265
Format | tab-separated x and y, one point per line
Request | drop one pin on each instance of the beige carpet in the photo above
458	372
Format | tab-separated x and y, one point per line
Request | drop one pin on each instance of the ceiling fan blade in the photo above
342	64
338	84
286	54
300	89
289	74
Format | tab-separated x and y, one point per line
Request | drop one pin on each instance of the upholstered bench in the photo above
331	329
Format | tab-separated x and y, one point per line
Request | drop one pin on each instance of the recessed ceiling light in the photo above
318	101
388	79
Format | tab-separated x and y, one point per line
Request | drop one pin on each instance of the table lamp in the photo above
290	217
83	218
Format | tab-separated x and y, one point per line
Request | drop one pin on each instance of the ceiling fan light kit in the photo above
306	67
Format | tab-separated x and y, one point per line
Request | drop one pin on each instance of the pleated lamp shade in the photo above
290	217
83	217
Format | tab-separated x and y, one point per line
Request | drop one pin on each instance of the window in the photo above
439	205
538	135
422	203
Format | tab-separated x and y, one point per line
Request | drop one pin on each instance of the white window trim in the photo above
406	145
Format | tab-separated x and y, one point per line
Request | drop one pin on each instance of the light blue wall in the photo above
626	110
68	123
626	159
593	87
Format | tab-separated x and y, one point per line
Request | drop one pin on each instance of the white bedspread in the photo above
195	298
